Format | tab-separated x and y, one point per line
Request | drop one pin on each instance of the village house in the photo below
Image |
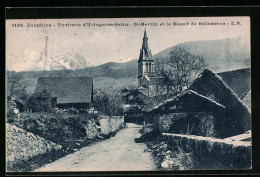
133	102
134	97
228	88
67	92
212	106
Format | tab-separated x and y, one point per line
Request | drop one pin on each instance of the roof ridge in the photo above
216	76
207	98
182	94
233	70
245	93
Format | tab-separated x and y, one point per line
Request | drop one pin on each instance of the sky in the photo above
101	44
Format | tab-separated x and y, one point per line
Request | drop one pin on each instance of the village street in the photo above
119	153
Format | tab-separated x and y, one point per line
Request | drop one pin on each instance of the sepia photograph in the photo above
128	94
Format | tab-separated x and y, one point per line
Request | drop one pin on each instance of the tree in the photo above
108	101
179	69
40	102
15	88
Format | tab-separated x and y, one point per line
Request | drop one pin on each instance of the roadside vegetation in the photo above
167	155
65	129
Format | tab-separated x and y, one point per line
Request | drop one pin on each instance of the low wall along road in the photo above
22	145
212	153
104	126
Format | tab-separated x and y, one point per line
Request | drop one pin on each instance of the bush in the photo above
40	102
60	128
11	116
109	101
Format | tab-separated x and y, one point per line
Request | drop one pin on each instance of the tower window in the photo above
146	67
150	67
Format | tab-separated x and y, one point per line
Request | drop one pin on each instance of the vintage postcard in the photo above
128	94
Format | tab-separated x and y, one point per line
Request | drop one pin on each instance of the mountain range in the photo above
220	55
68	61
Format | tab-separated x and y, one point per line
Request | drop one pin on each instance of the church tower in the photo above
145	62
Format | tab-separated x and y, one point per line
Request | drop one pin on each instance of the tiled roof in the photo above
191	92
67	89
209	80
237	80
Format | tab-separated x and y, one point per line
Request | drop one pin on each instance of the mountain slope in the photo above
220	55
115	75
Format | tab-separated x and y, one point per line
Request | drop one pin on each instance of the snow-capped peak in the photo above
68	61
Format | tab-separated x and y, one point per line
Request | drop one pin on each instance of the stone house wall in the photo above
200	123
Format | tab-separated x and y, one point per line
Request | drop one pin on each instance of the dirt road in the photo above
119	153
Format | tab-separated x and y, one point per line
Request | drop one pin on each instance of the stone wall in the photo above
91	129
21	145
162	123
200	123
211	153
110	124
104	125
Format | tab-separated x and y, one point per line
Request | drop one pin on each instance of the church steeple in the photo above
145	62
145	41
145	33
145	52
